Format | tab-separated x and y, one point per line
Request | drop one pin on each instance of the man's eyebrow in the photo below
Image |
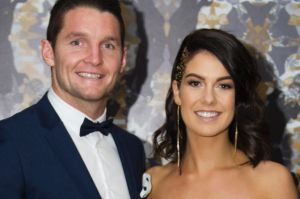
113	39
81	34
74	34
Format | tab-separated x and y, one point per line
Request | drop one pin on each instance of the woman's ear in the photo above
175	88
47	52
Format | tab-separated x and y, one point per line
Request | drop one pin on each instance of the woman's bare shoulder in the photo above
275	179
160	172
152	178
272	169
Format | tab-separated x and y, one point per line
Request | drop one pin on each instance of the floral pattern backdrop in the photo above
155	28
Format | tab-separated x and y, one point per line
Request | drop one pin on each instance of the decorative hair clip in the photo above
181	65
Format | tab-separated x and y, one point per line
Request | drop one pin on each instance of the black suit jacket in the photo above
38	159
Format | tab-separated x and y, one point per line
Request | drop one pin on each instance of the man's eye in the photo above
109	46
75	43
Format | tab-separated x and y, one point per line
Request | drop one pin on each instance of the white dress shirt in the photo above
98	152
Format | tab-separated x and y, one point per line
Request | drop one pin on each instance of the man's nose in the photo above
94	56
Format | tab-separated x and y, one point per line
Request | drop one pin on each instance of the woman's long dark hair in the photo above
242	67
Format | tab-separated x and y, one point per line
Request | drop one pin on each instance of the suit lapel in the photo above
66	151
124	157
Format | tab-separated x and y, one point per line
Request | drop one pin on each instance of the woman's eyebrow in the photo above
203	78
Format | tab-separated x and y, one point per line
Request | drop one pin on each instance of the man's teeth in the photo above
207	114
90	75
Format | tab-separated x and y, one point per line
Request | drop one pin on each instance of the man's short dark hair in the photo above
61	7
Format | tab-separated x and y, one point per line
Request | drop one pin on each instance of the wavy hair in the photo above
249	115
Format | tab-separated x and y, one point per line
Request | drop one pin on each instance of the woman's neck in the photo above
204	154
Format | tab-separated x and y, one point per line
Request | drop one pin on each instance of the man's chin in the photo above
95	98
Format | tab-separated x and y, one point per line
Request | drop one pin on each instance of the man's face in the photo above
87	58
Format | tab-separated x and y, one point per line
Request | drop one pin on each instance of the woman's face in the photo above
206	96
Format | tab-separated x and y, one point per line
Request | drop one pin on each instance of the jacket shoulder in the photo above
22	115
125	134
18	123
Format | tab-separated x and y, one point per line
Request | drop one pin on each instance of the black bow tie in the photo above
88	126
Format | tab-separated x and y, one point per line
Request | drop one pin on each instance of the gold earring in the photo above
236	133
178	141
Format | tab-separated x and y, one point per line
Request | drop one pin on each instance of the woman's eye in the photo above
75	43
225	86
194	83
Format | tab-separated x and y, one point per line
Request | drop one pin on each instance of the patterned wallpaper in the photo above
155	29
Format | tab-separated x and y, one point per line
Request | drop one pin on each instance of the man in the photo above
55	149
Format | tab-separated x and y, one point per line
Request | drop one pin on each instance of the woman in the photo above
213	134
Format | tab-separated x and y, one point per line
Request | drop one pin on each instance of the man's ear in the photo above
123	59
175	88
47	52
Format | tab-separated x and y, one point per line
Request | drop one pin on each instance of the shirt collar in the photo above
71	117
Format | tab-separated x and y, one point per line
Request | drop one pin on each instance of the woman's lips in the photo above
208	114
